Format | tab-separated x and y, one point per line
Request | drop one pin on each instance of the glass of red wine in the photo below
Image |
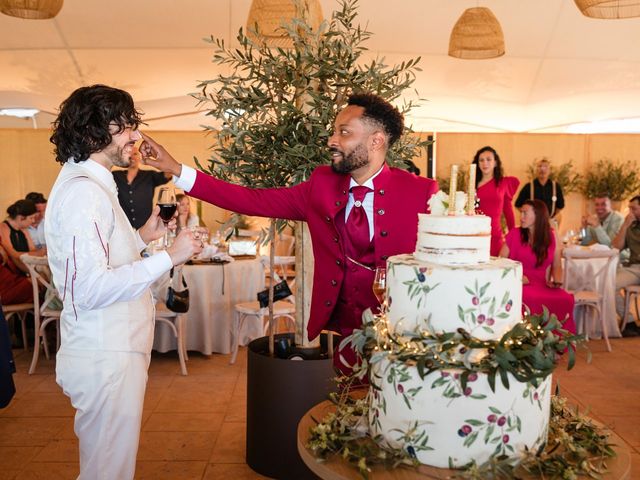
380	284
168	205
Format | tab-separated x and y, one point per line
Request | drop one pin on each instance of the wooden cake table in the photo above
335	468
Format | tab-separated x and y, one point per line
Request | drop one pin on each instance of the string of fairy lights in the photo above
430	351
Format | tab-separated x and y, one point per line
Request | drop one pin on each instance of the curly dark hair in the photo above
497	170
381	113
541	240
82	126
35	197
21	207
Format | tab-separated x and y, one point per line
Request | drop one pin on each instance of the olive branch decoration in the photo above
529	351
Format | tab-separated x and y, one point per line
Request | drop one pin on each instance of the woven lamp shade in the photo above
476	35
609	9
271	15
31	9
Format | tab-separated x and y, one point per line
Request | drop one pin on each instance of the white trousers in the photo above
107	391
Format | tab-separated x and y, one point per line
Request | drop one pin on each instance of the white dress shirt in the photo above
37	234
78	225
187	179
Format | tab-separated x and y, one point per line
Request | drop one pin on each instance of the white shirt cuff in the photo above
157	264
139	242
187	178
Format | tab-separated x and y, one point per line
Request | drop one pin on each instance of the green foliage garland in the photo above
575	445
529	351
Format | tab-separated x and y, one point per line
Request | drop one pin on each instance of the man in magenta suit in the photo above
363	132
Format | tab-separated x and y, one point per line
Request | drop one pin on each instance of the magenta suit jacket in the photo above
398	198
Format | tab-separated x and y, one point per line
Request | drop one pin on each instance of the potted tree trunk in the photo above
276	109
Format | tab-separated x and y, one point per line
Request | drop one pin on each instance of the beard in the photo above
358	157
118	157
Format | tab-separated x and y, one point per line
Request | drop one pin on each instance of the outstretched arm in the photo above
290	203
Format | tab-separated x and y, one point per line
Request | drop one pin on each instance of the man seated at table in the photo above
603	226
629	237
37	229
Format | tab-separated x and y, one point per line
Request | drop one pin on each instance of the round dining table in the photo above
214	290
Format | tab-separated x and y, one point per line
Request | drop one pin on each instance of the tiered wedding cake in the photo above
451	285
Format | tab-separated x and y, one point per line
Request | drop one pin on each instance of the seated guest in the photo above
628	237
14	235
545	189
534	245
14	287
186	219
37	229
603	226
136	188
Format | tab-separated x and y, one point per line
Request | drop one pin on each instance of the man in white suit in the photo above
108	314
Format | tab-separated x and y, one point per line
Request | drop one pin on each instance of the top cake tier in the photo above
453	239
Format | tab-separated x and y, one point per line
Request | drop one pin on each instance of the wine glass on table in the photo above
581	234
168	205
380	285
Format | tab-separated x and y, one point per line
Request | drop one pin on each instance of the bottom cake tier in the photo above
442	425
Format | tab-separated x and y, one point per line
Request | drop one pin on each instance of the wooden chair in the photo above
630	292
590	298
177	322
46	311
19	310
246	310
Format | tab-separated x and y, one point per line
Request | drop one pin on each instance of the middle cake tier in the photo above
483	299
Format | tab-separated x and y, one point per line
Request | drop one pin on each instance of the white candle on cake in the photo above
453	184
471	196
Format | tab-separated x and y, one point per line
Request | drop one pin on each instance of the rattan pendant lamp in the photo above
31	9
609	9
476	35
270	15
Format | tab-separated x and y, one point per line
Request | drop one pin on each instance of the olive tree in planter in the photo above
620	180
276	108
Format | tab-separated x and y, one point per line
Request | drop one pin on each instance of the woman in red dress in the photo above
495	193
534	245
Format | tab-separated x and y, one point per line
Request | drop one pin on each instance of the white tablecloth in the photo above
214	290
583	276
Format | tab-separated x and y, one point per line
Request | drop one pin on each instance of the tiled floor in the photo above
194	426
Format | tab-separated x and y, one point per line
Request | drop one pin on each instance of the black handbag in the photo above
280	291
177	301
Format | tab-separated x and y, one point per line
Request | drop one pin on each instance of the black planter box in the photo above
279	393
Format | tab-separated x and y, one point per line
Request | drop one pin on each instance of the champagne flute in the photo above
380	284
168	205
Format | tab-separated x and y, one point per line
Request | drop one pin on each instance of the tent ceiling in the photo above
559	68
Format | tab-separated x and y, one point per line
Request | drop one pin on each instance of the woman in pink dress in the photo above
534	245
495	193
